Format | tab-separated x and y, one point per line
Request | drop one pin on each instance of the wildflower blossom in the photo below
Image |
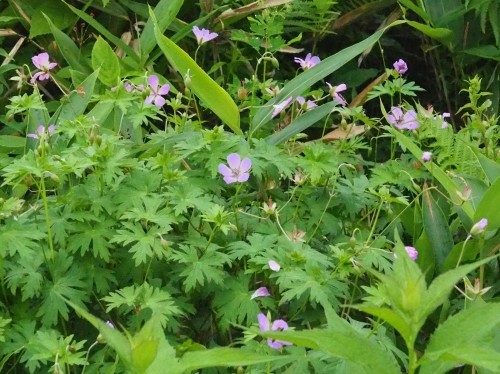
407	120
305	105
400	66
274	266
426	156
269	207
40	132
444	124
156	92
203	35
279	324
41	61
308	62
412	252
479	227
260	292
237	170
109	324
334	91
279	108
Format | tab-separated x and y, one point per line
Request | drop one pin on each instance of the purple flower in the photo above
156	92
400	66
412	252
40	132
279	324
402	120
306	106
426	156
237	170
334	91
260	292
279	108
308	62
479	227
41	61
443	116
203	35
109	324
273	265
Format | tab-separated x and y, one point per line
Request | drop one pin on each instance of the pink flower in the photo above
306	106
412	252
402	120
400	66
279	324
334	91
203	35
308	62
156	92
274	266
426	156
260	292
40	132
479	227
41	61
279	108
443	116
237	170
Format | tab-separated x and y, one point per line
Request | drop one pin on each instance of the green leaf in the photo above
301	123
10	141
214	96
390	316
223	357
460	340
440	34
490	167
436	228
105	60
60	16
350	346
488	207
308	78
438	173
165	12
68	49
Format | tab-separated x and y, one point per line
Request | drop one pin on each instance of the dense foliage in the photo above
270	187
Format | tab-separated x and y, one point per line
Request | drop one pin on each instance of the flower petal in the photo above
234	161
263	322
260	292
279	324
224	170
273	265
159	101
229	179
243	177
164	90
245	165
153	82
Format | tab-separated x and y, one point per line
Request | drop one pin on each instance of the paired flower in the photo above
203	35
308	62
237	169
260	292
400	66
278	325
41	131
279	108
41	61
305	105
407	120
479	227
274	266
334	91
156	92
426	156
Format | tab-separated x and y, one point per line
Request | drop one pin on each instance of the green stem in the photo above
47	218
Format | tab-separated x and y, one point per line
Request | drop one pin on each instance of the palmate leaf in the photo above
93	236
19	236
201	267
187	195
147	242
25	274
150	210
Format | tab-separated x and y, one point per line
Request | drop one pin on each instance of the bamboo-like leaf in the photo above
308	78
204	87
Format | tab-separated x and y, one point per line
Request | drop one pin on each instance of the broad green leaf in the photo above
68	48
435	170
10	141
390	316
214	96
485	51
441	34
77	100
222	357
459	340
436	228
490	167
105	60
60	17
348	346
165	12
489	205
439	289
105	33
301	123
308	78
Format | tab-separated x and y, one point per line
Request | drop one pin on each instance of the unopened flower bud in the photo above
479	227
242	93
